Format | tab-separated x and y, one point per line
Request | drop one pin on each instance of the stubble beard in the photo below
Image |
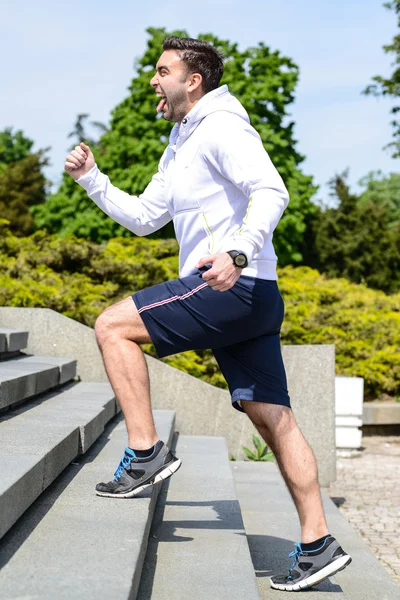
177	106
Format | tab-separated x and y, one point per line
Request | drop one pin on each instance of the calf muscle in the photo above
296	462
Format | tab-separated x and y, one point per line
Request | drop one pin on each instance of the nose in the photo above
154	80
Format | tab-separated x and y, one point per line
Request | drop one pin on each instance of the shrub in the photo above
79	278
363	324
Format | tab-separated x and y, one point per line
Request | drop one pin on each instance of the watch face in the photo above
240	260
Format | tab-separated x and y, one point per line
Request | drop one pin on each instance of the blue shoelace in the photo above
299	550
296	553
125	462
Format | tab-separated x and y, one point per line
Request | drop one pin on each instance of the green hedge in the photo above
363	324
79	279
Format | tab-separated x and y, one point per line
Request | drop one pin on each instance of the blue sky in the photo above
61	59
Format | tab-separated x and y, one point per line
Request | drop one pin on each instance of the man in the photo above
225	197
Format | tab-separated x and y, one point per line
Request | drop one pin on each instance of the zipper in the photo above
210	233
247	215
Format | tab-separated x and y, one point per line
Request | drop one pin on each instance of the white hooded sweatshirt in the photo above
216	182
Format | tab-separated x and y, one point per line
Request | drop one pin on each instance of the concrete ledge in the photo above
52	334
37	444
381	413
26	376
201	408
76	544
12	340
198	548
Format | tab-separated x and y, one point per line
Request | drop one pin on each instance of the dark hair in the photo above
199	57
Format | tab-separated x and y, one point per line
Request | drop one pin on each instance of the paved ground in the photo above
367	492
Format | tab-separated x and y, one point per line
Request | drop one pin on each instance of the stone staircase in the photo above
216	530
46	420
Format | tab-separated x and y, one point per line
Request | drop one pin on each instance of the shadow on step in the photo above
19	408
269	554
228	515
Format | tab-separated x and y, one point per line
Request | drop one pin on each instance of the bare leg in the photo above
296	461
119	331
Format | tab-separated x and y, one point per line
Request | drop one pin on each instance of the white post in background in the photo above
349	396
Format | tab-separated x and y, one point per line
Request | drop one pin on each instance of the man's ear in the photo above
195	81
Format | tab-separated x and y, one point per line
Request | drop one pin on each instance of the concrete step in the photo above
197	547
12	341
272	528
26	376
74	544
40	439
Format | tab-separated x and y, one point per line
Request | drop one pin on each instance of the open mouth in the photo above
161	105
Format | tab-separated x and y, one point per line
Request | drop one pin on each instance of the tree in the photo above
79	131
390	86
22	183
382	190
357	240
13	146
263	80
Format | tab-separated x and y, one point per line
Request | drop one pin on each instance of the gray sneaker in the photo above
135	474
311	567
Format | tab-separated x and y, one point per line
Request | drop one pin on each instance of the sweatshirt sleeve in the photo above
142	214
238	155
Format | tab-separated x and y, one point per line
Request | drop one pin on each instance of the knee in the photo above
275	420
282	424
106	326
120	322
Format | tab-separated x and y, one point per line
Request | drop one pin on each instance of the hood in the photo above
216	100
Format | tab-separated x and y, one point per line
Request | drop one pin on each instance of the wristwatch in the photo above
239	258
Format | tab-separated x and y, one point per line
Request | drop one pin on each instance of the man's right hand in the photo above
79	161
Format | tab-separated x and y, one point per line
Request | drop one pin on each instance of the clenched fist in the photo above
223	274
79	161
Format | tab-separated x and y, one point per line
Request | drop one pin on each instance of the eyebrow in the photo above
161	67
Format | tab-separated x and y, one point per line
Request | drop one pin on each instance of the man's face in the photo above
170	83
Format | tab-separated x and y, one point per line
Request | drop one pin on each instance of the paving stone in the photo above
369	484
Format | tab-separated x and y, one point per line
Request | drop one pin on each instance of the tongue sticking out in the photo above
161	105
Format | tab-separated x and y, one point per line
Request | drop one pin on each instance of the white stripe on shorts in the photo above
183	297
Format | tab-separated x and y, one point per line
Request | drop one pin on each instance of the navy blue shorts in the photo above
241	326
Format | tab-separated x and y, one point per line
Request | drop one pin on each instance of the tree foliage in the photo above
22	183
79	131
358	239
390	86
13	147
262	79
382	190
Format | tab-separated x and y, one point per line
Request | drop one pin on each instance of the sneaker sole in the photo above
337	565
164	474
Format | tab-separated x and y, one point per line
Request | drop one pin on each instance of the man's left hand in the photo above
223	274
